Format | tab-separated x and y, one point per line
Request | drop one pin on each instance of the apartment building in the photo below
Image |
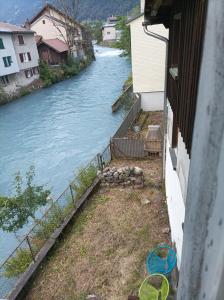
18	57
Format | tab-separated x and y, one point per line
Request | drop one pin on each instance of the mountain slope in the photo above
17	11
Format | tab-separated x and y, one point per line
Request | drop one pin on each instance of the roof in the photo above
56	44
50	6
157	12
10	28
134	18
108	25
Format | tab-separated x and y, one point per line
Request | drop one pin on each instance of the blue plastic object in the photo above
161	260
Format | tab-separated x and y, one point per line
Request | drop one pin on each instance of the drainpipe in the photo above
165	40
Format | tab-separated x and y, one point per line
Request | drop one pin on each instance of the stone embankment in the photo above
125	176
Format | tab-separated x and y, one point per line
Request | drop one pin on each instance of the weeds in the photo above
84	180
18	264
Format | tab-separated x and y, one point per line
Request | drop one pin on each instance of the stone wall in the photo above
125	176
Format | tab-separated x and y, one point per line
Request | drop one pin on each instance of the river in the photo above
60	128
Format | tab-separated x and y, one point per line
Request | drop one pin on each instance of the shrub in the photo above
18	264
46	74
24	91
72	67
3	96
84	180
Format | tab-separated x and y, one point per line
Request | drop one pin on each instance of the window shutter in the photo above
29	56
1	44
26	73
21	57
5	61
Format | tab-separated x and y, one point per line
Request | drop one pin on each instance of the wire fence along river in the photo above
58	212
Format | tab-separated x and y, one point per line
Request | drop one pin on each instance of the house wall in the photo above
12	87
50	56
176	185
29	46
152	101
48	30
21	79
148	62
8	51
109	34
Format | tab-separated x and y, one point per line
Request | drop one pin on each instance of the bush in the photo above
18	264
84	180
72	67
3	96
24	91
46	74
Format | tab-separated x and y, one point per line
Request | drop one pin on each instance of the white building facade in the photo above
148	64
18	58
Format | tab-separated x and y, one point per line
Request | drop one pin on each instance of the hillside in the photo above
89	9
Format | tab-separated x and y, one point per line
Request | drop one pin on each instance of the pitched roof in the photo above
56	44
50	6
10	28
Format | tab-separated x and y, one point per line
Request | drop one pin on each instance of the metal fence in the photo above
129	119
123	147
56	214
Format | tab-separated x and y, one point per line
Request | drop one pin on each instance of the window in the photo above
4	80
29	56
25	57
28	73
108	32
1	44
35	70
7	61
43	21
21	40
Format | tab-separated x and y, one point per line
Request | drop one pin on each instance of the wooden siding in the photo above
185	50
50	56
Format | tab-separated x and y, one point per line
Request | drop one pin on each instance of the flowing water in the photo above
60	128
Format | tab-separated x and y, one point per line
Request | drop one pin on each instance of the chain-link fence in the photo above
29	248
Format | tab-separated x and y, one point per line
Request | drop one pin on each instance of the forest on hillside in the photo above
89	9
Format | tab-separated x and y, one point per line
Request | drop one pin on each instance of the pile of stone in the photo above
125	176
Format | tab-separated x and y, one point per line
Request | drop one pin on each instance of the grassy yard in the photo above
104	249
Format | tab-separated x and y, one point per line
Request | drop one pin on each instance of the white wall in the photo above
109	33
152	101
176	185
48	30
21	79
175	204
29	46
8	51
148	58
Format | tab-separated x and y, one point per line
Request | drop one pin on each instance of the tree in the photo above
95	27
125	41
15	211
66	25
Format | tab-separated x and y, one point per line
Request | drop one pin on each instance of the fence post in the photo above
73	199
99	160
31	250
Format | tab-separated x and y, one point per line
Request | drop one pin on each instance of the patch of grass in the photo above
18	263
143	233
102	199
82	251
133	196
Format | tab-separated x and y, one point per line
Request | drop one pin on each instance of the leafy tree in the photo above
125	41
15	211
95	27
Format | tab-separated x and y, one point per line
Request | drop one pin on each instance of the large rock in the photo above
138	171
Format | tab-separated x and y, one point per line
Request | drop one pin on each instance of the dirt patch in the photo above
104	250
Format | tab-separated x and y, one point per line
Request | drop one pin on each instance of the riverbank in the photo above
49	75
